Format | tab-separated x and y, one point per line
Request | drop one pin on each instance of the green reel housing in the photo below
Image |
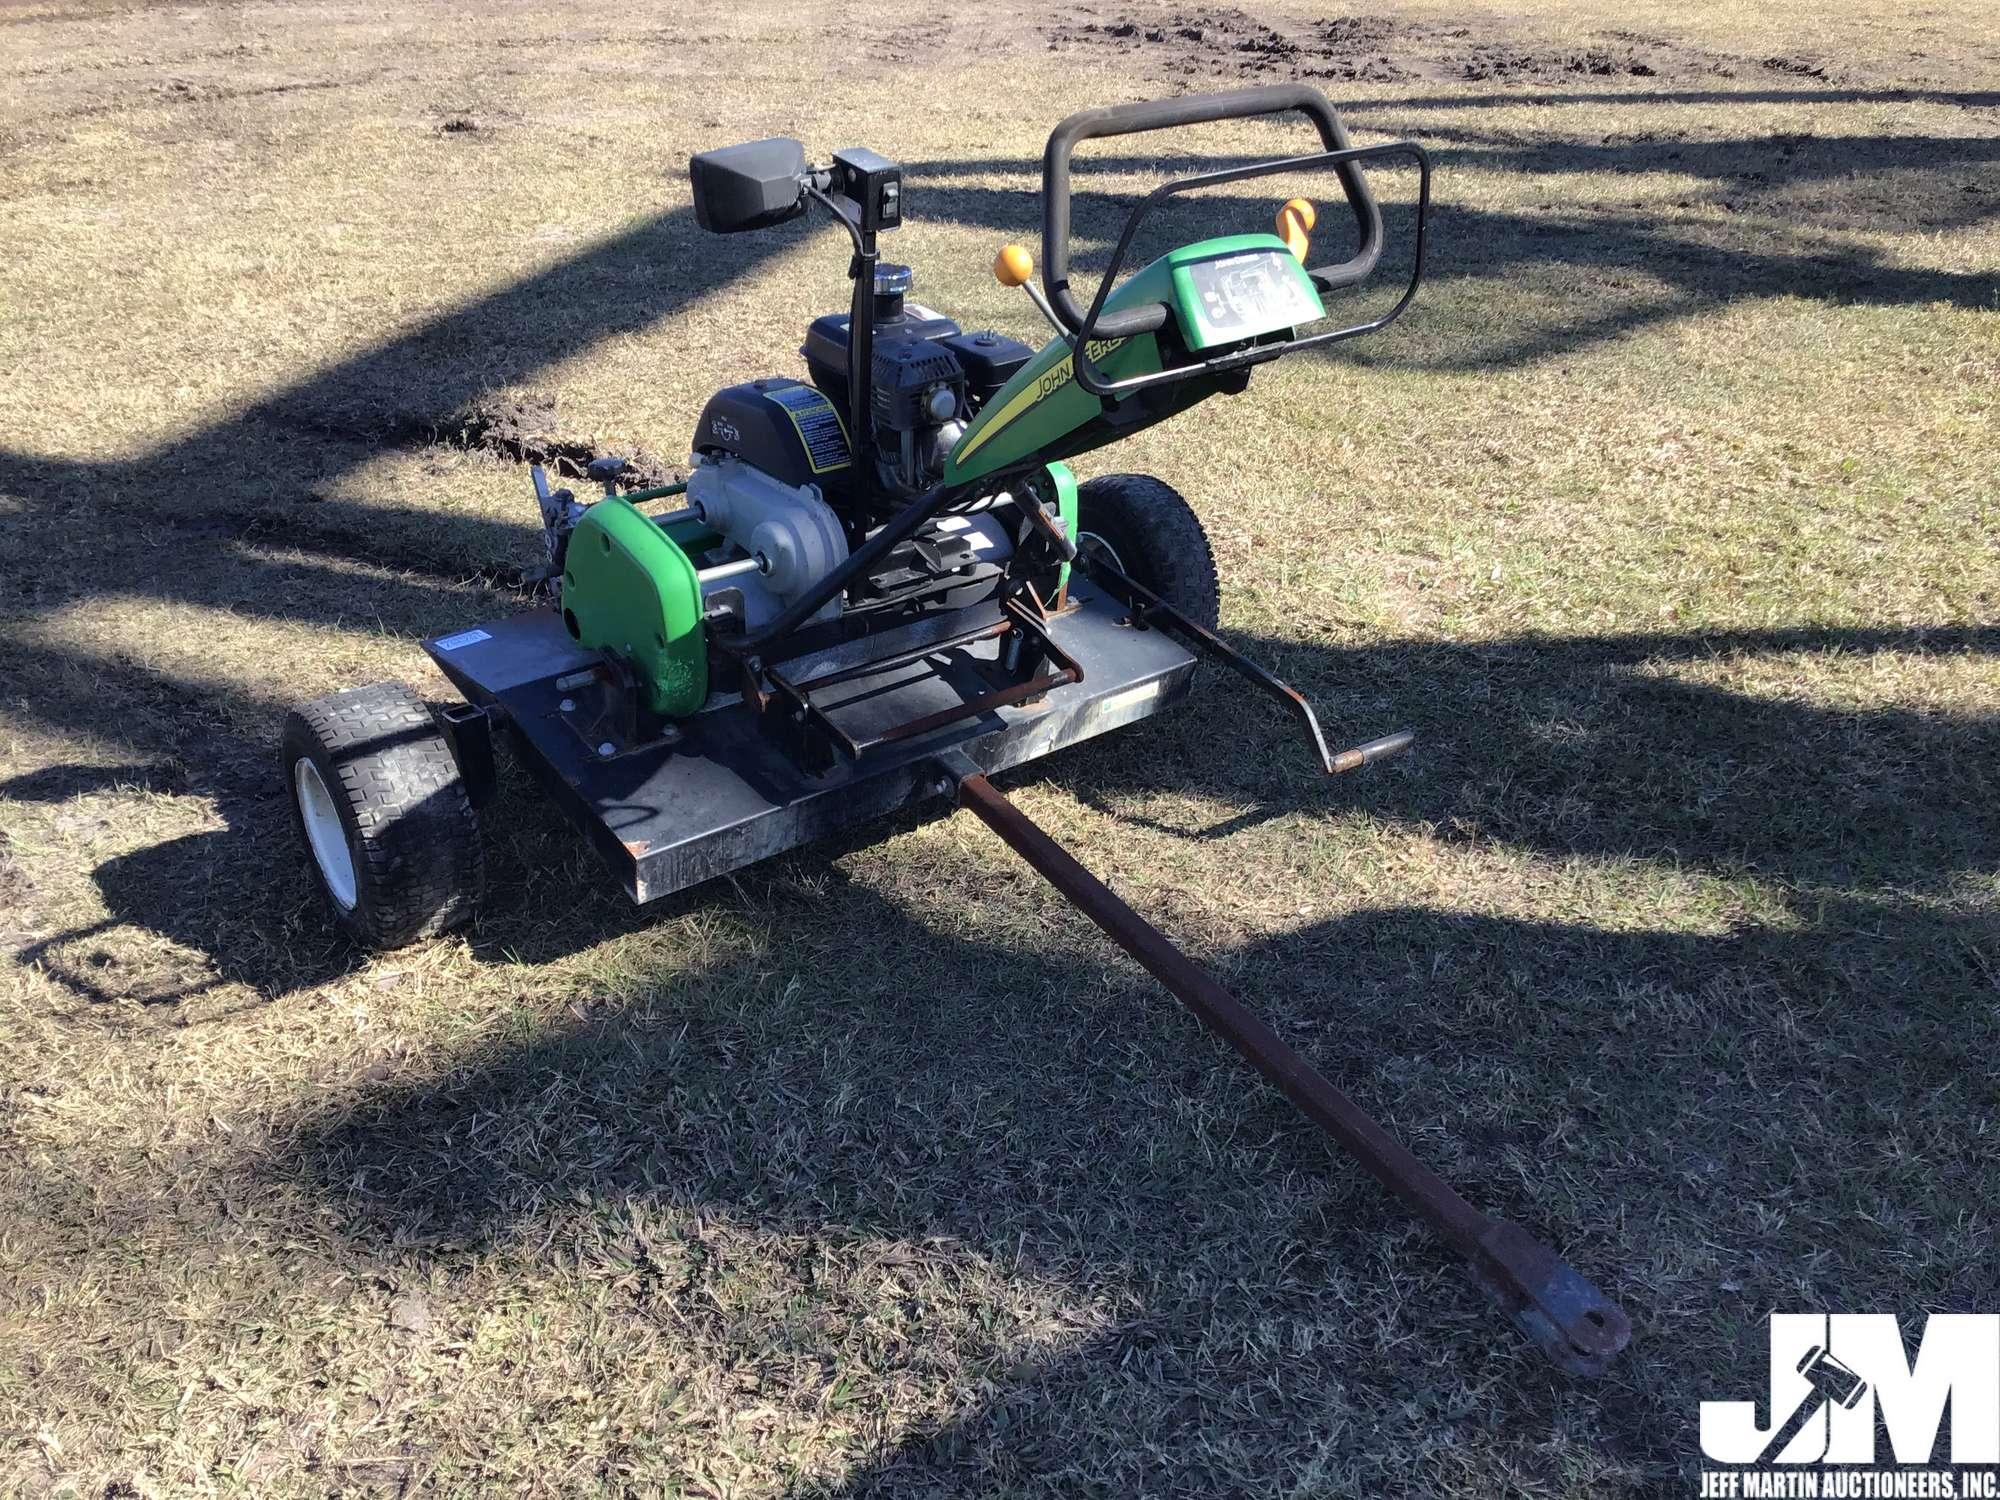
631	589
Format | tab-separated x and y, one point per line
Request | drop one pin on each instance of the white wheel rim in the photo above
1095	543
324	832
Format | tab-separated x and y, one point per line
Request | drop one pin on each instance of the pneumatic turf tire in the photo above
378	804
1149	533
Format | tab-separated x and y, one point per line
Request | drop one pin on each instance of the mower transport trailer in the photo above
884	585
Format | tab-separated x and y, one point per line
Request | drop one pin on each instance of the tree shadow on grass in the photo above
417	388
1642	1096
1614	747
1006	1099
1914	94
208	894
1596	251
1597	748
156	525
1637	1097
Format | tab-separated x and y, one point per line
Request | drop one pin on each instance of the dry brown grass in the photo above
1669	517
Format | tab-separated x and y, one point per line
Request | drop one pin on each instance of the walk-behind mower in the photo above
881	584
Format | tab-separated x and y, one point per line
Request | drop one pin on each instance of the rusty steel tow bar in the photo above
1576	1326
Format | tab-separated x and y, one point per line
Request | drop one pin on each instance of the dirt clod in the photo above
410	1313
1797	67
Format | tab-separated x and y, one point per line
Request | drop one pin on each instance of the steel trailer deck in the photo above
667	817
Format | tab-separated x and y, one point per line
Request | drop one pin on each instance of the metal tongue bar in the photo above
1576	1326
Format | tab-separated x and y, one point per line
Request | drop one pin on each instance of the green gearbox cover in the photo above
629	590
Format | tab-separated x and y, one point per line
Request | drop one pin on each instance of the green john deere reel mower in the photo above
881	583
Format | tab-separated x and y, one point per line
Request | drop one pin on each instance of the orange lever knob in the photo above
1295	222
1013	265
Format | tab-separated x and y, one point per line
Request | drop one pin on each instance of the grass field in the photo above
1670	517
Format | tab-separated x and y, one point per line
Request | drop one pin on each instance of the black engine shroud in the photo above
988	360
785	428
797	433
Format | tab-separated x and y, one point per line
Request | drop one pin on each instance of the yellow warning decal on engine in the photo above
818	424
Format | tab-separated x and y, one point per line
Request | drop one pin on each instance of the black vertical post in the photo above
861	353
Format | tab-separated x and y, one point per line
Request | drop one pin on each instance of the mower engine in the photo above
928	379
777	496
919	391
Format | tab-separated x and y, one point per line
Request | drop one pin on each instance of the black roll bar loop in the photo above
1165	114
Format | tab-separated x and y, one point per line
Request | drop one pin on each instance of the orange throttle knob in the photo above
1295	222
1013	265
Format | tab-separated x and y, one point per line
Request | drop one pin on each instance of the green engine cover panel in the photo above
629	590
1042	404
1064	484
1221	291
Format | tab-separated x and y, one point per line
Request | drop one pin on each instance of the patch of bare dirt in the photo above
912	36
1797	67
523	428
527	430
1507	63
1231	43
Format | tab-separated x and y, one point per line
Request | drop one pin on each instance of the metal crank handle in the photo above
1576	1327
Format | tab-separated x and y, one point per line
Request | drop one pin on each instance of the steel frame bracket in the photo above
1149	610
468	730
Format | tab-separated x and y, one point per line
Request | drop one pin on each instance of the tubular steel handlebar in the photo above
1096	322
1168	114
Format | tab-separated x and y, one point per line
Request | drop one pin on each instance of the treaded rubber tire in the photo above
1155	538
411	836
